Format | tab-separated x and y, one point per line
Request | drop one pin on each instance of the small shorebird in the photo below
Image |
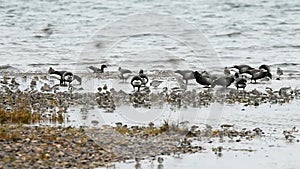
124	74
226	71
288	136
285	92
138	164
76	77
160	160
279	73
155	83
14	82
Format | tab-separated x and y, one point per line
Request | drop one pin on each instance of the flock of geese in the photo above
237	74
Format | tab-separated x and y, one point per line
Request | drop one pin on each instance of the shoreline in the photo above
43	147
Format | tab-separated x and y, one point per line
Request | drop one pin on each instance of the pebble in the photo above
62	147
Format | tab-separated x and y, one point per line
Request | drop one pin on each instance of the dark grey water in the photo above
79	34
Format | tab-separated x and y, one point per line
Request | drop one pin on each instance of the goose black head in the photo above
141	71
268	74
178	71
235	66
103	66
236	75
265	67
197	74
104	87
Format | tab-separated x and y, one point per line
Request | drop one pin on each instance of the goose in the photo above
59	73
265	67
136	81
68	77
97	70
258	74
242	68
203	80
240	82
144	77
65	76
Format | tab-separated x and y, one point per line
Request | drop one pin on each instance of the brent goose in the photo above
203	80
144	77
186	75
258	74
240	82
136	81
68	77
60	73
265	67
124	74
242	68
97	70
65	76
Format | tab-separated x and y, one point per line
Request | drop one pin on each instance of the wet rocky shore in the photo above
47	147
29	101
67	147
42	99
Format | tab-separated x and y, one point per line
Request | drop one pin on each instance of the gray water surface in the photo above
253	32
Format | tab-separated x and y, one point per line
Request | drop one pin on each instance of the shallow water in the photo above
270	151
